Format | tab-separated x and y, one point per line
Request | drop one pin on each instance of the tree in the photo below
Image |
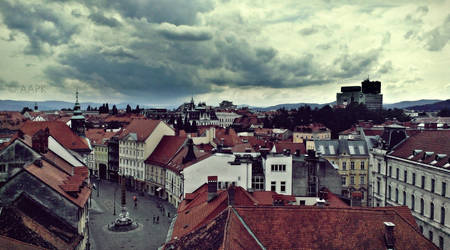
137	110
89	108
106	108
445	112
114	110
128	110
25	109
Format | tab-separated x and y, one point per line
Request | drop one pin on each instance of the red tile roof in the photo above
62	182
142	128
12	120
437	142
13	244
293	147
166	150
329	228
227	136
99	136
60	131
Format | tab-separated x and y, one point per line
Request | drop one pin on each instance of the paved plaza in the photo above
148	235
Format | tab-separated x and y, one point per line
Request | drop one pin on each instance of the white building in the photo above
278	173
226	119
136	142
415	172
221	165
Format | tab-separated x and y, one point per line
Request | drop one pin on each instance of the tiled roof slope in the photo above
13	244
60	131
98	136
62	182
437	142
303	227
142	128
166	150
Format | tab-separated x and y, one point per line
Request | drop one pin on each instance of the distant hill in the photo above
12	105
432	107
405	104
289	106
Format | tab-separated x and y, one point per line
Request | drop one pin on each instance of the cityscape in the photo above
224	125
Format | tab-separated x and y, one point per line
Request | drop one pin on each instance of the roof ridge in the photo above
248	228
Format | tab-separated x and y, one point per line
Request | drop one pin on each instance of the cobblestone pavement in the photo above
147	236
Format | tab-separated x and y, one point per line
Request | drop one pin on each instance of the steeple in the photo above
36	107
77	122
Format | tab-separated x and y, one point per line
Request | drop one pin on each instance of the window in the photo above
432	210
344	180
352	165
444	188
2	168
389	192
379	167
390	171
443	215
283	186
397	173
258	182
273	186
363	165
396	195
302	202
344	165
414	178
441	242
432	185
421	206
421	229
352	180
378	187
413	202
430	235
361	180
404	198
422	184
405	176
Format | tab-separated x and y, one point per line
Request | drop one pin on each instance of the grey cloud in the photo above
183	32
178	12
356	64
437	38
309	31
386	68
422	9
40	24
100	19
118	52
408	34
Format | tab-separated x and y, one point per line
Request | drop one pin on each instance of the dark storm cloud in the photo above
311	30
40	24
183	33
100	19
130	78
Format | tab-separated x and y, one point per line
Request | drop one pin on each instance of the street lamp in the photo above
115	190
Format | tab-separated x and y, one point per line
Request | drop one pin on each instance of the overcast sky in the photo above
162	52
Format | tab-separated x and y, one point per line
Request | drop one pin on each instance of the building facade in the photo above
369	94
416	173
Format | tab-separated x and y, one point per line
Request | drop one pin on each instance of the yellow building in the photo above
310	133
352	158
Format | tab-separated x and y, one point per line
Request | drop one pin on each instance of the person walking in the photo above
157	219
135	201
153	219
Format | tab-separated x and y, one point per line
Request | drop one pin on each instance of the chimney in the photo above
231	191
389	235
190	155
320	202
212	187
38	162
39	141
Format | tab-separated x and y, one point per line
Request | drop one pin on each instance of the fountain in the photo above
123	223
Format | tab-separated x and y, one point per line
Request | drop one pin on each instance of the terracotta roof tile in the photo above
60	131
166	150
143	128
57	180
13	244
99	136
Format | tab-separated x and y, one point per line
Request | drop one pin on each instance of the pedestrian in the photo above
157	219
168	214
153	219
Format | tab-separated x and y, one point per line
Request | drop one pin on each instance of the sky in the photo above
255	52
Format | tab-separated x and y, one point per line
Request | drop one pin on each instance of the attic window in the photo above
428	154
351	149
187	212
417	151
185	226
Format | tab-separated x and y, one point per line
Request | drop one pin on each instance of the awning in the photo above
158	189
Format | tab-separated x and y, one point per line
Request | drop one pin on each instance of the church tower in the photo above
77	121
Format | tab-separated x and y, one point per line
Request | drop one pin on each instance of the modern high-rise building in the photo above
369	94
